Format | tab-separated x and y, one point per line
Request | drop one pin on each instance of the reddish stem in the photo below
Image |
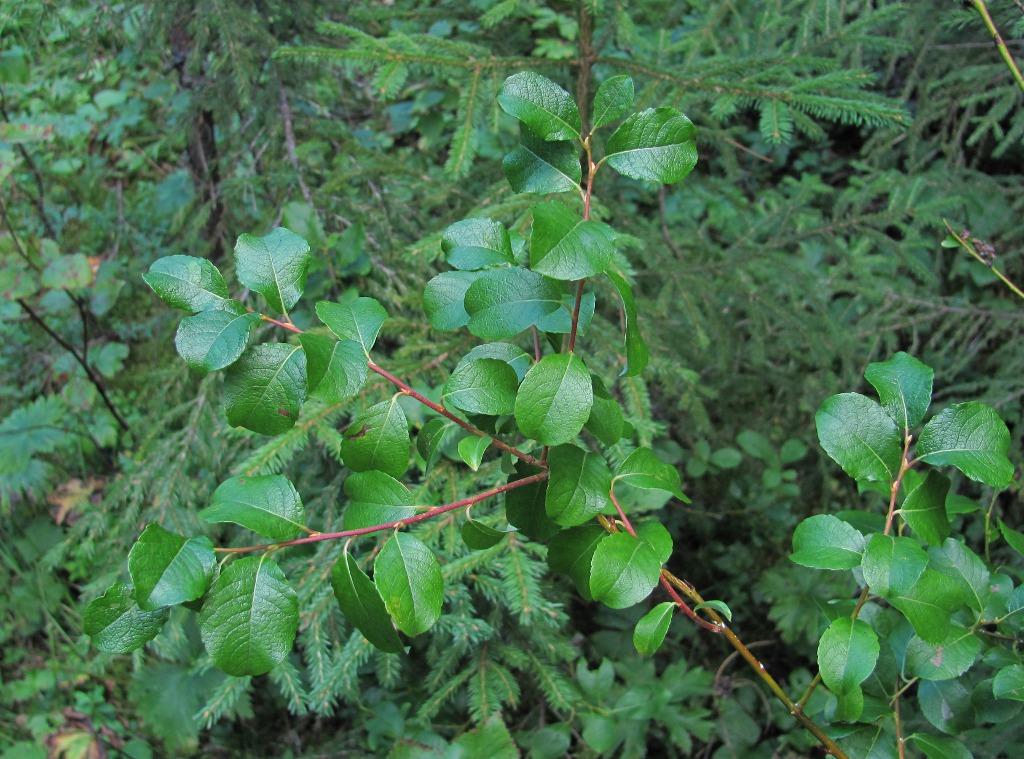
576	314
686	609
398	523
287	325
622	514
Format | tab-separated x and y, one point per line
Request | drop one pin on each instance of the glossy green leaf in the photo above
1009	683
542	105
571	553
827	542
940	746
637	354
362	605
268	505
606	421
929	604
860	436
375	498
959	563
275	266
892	566
624	571
359	320
560	320
187	283
904	386
264	389
169	569
214	339
524	507
643	469
554	400
1013	537
117	625
335	369
67	272
719	606
947	705
944	660
408	577
924	508
479	536
578	485
650	631
512	355
971	437
483	386
444	299
429	441
613	100
378	439
658	537
501	303
249	618
657	144
541	167
472	450
477	244
847	653
564	246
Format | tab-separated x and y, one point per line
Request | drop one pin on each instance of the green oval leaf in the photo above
430	439
658	537
375	498
719	606
362	605
408	577
924	508
477	244
541	167
268	505
335	369
578	485
643	469
945	660
650	631
359	320
940	746
971	437
657	144
512	355
1009	683
378	439
212	340
572	553
472	450
560	321
479	536
624	571
274	266
892	566
860	436
542	105
637	354
249	618
928	605
67	272
827	542
169	569
187	283
444	299
117	625
847	653
564	246
554	400
904	386
483	386
613	99
501	303
606	421
265	388
524	506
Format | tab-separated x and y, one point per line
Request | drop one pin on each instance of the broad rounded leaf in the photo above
971	437
624	570
859	436
650	631
444	299
613	99
501	303
940	746
564	246
378	439
117	625
408	577
924	508
359	320
554	400
643	469
959	563
929	604
904	386
606	421
429	441
335	369
578	485
512	355
541	167
637	354
375	498
656	144
214	339
542	105
186	282
571	552
827	542
268	505
275	266
67	272
169	569
524	506
362	605
472	450
249	618
479	536
560	320
945	660
847	653
1013	537
891	565
265	388
483	386
1009	683
477	244
658	537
